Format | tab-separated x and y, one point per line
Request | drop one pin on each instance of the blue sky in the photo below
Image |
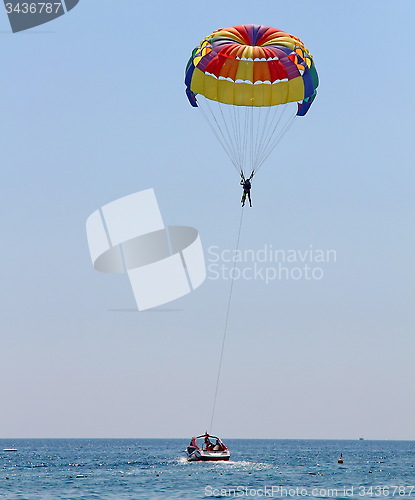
94	109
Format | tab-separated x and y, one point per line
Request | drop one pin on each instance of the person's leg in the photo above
243	198
249	198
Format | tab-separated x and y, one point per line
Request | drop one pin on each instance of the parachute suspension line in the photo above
271	134
255	153
271	123
235	129
277	141
225	122
218	136
247	137
251	163
254	137
264	130
244	138
235	114
279	137
226	324
247	134
273	138
241	140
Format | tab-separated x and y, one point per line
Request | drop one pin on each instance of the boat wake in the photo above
229	465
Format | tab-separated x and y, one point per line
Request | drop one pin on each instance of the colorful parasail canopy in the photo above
251	66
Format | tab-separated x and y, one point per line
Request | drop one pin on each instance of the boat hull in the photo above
208	456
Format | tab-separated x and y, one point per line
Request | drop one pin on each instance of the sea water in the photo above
118	469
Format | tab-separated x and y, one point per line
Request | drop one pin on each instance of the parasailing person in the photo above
246	185
250	82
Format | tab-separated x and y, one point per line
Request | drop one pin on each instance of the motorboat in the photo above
207	450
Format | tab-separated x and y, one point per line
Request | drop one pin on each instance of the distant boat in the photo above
9	449
361	439
207	451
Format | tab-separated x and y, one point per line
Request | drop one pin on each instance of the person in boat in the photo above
208	444
218	446
246	185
